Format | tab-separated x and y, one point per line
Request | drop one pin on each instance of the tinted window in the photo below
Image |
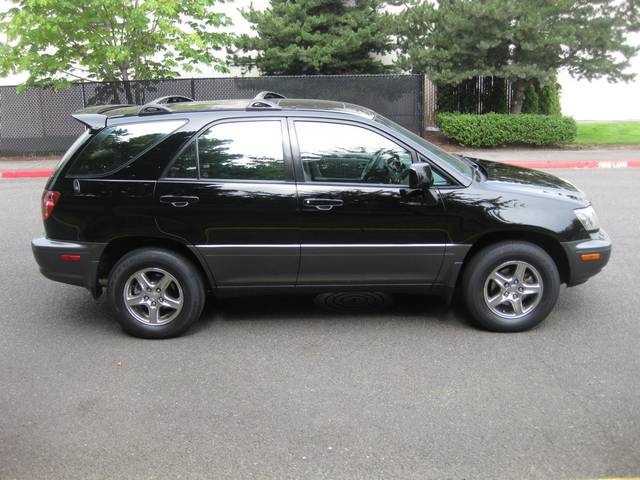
332	152
113	147
439	180
242	151
454	161
186	165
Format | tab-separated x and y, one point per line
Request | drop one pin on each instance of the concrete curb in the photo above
537	164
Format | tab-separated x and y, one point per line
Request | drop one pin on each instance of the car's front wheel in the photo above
510	286
156	293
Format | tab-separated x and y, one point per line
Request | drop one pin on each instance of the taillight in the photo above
49	200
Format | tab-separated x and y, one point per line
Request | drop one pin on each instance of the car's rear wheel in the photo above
510	286
156	293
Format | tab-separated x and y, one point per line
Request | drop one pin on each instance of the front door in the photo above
360	224
230	192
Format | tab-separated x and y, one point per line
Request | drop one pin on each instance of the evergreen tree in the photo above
310	37
550	98
532	99
519	41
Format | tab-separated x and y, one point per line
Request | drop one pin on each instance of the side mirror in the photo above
420	176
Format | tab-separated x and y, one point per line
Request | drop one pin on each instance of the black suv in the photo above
163	203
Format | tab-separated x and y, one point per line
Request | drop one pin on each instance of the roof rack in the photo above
266	94
157	105
171	99
153	109
261	104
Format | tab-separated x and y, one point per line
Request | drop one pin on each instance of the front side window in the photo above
114	147
454	161
333	152
242	151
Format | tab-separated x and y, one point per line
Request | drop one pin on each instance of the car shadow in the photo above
83	312
328	307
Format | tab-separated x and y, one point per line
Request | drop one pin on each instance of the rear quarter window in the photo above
114	147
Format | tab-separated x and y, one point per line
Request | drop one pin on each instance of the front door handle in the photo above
179	200
322	204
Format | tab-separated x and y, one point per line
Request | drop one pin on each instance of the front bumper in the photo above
82	271
580	270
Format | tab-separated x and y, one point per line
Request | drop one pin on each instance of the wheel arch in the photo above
545	241
119	247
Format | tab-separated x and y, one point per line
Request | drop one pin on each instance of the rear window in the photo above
113	147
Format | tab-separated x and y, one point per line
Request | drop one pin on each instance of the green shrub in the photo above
493	129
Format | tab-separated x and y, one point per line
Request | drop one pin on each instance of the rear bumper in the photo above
81	272
580	270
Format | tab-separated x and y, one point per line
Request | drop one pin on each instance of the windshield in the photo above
457	163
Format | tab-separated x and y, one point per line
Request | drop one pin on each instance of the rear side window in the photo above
114	147
186	165
247	150
242	151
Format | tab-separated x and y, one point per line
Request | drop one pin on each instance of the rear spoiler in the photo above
94	117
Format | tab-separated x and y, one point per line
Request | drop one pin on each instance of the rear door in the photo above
231	193
359	222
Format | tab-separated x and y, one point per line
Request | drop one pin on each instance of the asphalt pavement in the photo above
281	388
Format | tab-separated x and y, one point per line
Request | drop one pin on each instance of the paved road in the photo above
281	389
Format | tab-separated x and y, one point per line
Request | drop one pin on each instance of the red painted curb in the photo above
542	164
26	173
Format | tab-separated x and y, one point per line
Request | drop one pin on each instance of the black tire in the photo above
486	261
187	285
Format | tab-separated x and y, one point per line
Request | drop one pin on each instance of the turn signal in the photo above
589	257
49	200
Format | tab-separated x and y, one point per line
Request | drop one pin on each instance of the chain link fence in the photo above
39	121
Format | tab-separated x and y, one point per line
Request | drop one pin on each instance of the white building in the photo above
581	99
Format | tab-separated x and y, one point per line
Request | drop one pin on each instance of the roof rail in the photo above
262	104
266	94
106	108
153	109
157	106
171	99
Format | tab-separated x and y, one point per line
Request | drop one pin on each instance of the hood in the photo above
526	180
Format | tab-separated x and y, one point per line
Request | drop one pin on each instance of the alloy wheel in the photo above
513	289
153	296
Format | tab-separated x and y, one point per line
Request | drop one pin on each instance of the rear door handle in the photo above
322	204
179	200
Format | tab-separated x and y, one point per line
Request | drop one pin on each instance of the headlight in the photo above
588	218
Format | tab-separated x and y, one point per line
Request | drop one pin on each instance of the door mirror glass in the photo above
420	176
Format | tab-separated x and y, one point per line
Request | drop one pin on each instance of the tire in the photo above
165	291
505	274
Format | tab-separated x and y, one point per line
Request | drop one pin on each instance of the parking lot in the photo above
282	388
